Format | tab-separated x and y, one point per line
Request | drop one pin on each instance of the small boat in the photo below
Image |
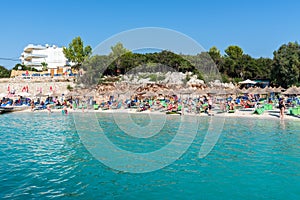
173	113
8	109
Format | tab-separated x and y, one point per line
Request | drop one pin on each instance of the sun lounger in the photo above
268	106
118	106
259	111
294	111
96	107
231	111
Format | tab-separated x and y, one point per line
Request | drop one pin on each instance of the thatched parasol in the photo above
279	89
185	91
269	90
200	92
222	92
73	93
292	91
149	94
235	91
170	92
90	94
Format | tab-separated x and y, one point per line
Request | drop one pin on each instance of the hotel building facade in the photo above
35	55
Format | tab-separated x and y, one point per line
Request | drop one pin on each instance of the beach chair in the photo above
268	106
294	111
259	111
231	111
74	105
179	107
119	105
96	107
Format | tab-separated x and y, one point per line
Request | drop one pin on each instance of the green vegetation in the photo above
283	70
24	67
234	66
286	65
155	78
77	53
44	64
4	73
69	87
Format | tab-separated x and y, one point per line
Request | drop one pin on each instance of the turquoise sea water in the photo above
43	157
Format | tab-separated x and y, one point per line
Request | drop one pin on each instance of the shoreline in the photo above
273	114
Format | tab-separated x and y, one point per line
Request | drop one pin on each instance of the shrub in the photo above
69	87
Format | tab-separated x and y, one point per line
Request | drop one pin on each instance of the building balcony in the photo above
31	47
32	63
30	56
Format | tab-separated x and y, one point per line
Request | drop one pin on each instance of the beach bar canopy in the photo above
248	81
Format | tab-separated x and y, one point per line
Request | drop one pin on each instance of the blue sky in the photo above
258	27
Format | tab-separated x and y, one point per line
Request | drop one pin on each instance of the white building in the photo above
53	56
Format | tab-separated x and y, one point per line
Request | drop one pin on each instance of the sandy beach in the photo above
247	113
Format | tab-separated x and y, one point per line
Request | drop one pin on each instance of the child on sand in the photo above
65	110
49	108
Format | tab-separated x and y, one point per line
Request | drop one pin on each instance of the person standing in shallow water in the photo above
282	108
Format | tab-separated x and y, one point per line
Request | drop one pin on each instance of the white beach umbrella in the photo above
3	95
40	95
24	94
248	81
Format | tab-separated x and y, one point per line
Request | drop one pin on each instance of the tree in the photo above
233	62
234	52
44	64
116	52
77	53
216	56
4	73
21	66
286	65
264	67
94	69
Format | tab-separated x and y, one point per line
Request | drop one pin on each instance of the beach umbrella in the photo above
222	92
162	91
149	94
72	94
269	90
40	95
53	94
258	91
248	81
90	94
236	91
185	91
279	89
24	94
101	92
3	95
292	91
252	90
211	91
200	92
245	91
118	91
170	92
109	93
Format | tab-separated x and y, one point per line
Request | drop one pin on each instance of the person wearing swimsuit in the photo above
281	108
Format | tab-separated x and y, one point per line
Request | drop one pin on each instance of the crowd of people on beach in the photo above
170	104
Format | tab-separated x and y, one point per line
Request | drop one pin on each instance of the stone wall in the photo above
34	87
